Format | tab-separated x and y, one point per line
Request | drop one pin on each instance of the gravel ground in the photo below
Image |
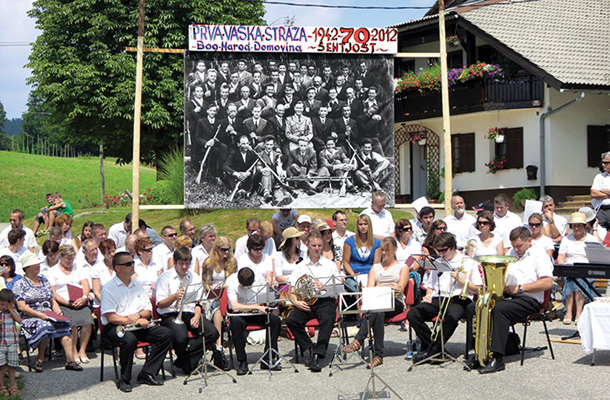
568	376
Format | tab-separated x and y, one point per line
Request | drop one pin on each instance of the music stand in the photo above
202	368
269	296
376	300
439	265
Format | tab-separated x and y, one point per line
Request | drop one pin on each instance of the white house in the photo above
556	55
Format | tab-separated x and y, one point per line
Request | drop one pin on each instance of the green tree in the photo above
2	117
87	79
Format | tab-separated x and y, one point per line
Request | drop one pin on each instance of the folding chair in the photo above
541	315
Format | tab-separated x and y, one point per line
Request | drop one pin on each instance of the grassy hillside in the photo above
231	223
26	178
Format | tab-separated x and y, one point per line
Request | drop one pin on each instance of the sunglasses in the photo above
483	223
5	264
224	248
605	162
443	250
126	264
257	249
147	250
172	235
535	225
407	229
440	228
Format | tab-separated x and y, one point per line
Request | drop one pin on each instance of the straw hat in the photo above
578	218
288	233
324	226
589	213
30	259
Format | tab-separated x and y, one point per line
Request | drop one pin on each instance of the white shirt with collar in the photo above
16	257
161	254
505	224
170	282
87	268
118	233
534	264
101	272
460	227
338	242
560	222
324	269
200	253
440	282
29	242
600	182
123	300
261	269
240	247
245	295
146	276
383	223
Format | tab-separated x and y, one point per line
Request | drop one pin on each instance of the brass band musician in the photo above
441	287
526	281
124	301
323	309
172	286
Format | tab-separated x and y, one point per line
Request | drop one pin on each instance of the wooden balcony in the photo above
520	91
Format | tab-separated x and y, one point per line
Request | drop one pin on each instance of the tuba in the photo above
494	270
304	290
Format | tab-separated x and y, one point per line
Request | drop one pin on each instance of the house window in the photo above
598	142
512	148
462	152
403	66
454	59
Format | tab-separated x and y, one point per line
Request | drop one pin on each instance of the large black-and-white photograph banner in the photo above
288	116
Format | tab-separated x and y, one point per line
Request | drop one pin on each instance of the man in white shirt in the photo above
383	223
526	282
119	231
557	224
505	220
423	223
124	301
340	234
460	222
243	291
16	220
16	249
600	192
172	287
322	269
162	252
253	225
98	233
441	287
207	237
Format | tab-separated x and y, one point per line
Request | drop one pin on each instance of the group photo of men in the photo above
269	130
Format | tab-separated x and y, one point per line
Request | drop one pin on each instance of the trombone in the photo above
121	329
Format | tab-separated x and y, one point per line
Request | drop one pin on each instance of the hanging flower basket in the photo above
496	165
421	142
496	134
453	40
418	137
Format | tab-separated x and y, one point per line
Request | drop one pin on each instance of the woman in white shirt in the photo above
64	221
539	240
103	272
487	243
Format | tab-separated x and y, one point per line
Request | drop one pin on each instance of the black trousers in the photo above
324	310
160	339
423	312
603	217
238	329
376	322
506	313
189	351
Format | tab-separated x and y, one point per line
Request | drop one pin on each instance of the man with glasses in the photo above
124	301
460	223
16	220
441	287
600	192
164	251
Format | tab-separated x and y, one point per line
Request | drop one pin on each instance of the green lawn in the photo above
231	223
26	178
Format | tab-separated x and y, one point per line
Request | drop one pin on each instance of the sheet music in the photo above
259	294
377	299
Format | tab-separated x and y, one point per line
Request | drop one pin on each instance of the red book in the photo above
74	292
410	261
53	316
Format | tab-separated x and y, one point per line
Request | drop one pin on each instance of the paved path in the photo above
568	376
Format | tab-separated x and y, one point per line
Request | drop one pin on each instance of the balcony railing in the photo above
519	91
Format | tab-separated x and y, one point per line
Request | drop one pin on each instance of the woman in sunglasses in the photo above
438	226
487	243
540	241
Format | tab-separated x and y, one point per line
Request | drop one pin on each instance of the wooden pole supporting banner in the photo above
135	190
446	115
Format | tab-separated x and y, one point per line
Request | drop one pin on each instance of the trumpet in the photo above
183	285
121	329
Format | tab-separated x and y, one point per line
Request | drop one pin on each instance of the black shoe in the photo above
495	365
419	357
314	364
148	379
242	367
472	363
220	361
124	386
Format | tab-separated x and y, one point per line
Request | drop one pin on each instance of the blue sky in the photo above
17	30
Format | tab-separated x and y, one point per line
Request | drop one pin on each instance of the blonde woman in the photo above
185	241
216	268
360	252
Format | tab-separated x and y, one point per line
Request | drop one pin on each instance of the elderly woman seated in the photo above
35	299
